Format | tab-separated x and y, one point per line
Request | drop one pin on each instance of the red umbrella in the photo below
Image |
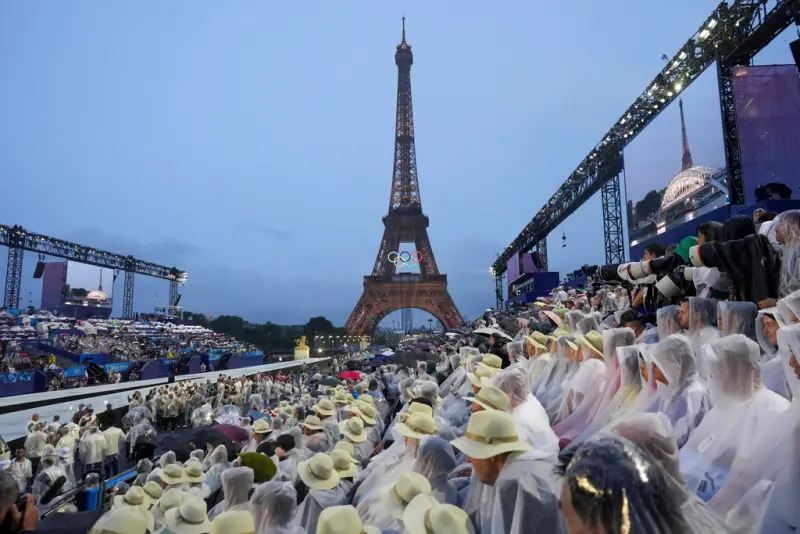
350	375
234	433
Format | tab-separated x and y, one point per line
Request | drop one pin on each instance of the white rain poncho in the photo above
550	390
573	316
685	399
742	408
789	308
772	373
521	501
51	467
561	384
543	374
667	321
387	468
435	461
629	389
702	330
274	506
652	432
789	231
533	425
135	416
215	464
236	484
516	351
615	486
202	416
588	323
456	378
737	318
602	390
315	502
590	371
764	486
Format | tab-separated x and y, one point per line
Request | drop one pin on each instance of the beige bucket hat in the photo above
396	497
594	341
424	515
417	426
318	473
324	406
340	397
344	463
491	360
367	398
261	427
343	520
152	491
188	518
193	472
347	447
136	499
489	434
172	474
491	398
121	521
353	429
482	376
416	407
169	499
236	522
312	422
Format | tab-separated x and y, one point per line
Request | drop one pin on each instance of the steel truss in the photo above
731	34
17	239
612	221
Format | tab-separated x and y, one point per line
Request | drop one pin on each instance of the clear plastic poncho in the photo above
274	507
772	370
685	398
435	461
742	408
228	415
51	467
533	425
144	432
789	308
616	487
522	500
588	323
553	387
573	316
589	373
652	432
761	492
737	318
135	416
602	390
236	484
789	231
667	321
315	502
202	416
702	329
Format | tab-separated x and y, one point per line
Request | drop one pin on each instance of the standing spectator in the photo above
35	444
32	423
22	470
55	425
92	451
89	418
115	439
79	414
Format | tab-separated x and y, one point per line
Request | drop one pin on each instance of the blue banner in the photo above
12	378
117	367
253	354
214	357
76	371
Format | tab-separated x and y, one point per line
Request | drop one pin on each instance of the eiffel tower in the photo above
391	287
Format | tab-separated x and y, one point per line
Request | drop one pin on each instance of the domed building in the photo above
692	188
98	297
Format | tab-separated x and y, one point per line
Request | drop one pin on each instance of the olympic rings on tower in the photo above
401	259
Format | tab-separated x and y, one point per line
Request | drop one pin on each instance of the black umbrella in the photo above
353	365
177	444
410	358
329	381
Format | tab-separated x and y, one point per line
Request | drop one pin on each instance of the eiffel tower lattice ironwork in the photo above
389	288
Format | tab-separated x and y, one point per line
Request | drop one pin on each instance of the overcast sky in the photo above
251	143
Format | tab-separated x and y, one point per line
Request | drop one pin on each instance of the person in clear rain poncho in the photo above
529	416
742	409
217	463
435	461
274	507
521	497
737	318
572	317
680	392
652	432
567	361
51	467
789	308
767	323
456	378
321	484
614	487
236	484
667	321
702	329
761	492
602	390
788	235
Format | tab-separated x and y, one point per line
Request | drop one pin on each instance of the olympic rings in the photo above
401	259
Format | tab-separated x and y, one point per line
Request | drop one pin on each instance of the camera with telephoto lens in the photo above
677	282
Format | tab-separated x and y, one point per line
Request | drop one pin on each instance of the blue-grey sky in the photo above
251	143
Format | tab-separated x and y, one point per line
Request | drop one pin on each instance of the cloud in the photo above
263	230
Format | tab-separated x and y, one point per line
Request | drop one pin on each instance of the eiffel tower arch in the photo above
391	287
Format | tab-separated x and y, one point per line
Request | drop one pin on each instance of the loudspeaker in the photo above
794	46
39	270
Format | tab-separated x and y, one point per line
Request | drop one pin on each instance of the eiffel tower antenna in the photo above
686	160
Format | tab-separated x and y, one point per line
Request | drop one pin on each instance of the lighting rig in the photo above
18	240
731	36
